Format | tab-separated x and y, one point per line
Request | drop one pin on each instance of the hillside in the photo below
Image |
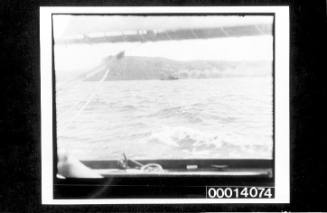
144	68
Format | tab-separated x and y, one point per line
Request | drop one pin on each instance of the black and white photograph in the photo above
160	105
163	106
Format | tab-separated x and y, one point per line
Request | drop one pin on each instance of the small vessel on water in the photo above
170	77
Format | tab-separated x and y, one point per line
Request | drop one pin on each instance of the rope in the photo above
87	102
92	95
224	31
259	29
194	34
70	83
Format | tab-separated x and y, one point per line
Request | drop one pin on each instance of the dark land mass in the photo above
147	68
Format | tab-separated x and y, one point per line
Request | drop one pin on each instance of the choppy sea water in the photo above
167	119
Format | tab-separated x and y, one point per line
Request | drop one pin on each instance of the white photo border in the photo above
281	100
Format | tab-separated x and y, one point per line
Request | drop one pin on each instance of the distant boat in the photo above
170	77
120	55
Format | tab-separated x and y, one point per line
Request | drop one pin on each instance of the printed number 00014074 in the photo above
240	192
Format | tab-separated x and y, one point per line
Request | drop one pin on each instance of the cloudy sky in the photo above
246	48
69	25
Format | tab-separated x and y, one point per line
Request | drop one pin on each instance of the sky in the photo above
68	25
251	48
84	56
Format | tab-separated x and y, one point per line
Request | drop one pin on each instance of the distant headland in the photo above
149	68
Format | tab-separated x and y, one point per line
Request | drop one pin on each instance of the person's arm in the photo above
68	166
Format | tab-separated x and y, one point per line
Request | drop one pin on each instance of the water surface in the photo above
167	119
